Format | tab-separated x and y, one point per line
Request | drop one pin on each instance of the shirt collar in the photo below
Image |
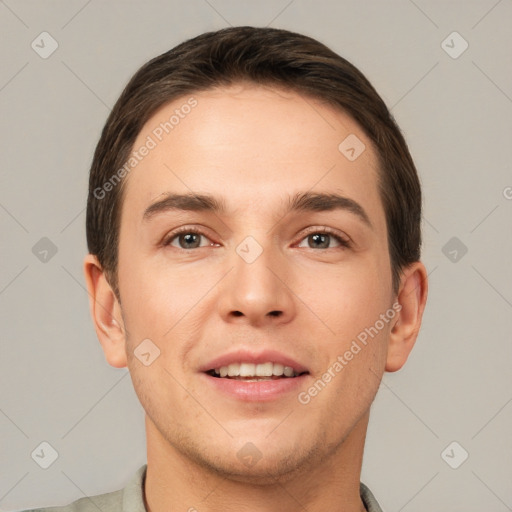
370	503
133	493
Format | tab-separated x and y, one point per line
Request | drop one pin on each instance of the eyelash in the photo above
344	242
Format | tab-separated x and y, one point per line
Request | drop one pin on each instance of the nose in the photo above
256	292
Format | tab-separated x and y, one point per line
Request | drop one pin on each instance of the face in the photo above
286	262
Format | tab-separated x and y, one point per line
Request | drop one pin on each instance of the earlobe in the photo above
412	297
105	312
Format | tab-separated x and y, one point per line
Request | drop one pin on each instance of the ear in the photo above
106	313
412	297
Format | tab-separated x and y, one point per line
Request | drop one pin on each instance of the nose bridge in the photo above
256	289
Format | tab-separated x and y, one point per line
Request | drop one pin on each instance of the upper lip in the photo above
247	356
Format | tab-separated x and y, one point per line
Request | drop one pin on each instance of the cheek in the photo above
359	359
351	298
154	387
351	304
148	295
167	307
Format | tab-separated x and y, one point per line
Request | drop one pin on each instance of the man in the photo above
253	223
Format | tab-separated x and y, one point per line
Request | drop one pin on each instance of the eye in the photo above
190	238
186	238
321	239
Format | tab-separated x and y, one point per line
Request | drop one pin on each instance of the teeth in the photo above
288	372
263	370
255	370
278	369
247	370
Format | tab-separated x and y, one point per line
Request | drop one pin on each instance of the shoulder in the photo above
129	499
110	502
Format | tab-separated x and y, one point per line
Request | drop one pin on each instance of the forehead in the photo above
254	147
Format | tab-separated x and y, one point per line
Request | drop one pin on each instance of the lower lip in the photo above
262	391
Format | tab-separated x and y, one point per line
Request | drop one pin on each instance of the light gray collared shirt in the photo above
130	499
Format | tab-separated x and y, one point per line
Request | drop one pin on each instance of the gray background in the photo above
455	112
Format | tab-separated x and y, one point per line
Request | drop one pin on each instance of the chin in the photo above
259	462
266	470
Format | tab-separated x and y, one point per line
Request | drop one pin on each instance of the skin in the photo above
254	146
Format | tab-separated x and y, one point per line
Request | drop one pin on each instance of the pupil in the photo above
188	238
319	237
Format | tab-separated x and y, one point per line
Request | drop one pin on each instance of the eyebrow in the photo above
300	202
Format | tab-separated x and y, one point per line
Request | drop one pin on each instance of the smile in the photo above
254	372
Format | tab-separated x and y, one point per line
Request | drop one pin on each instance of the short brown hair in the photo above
265	56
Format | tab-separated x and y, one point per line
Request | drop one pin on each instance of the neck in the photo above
176	482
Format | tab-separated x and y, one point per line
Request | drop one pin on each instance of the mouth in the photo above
248	376
251	372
